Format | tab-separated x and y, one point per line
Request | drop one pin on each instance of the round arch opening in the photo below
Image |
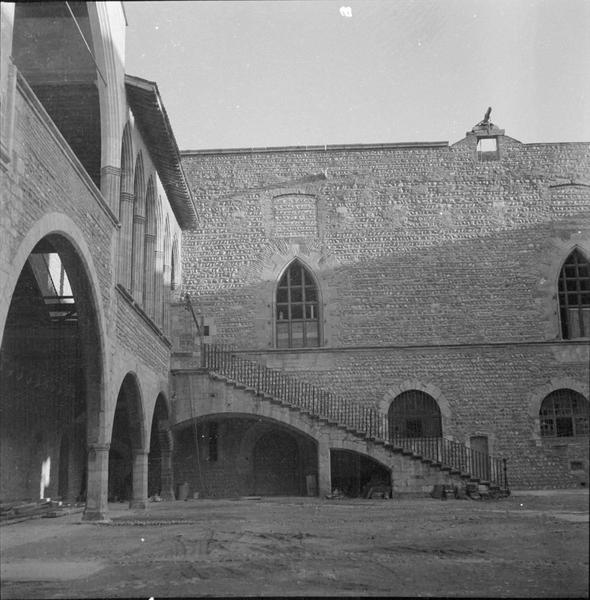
127	438
50	377
228	455
160	476
356	475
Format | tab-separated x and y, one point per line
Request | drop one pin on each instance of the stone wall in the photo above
434	269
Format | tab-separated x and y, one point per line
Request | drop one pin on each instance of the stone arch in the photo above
312	330
547	288
175	267
161	445
79	327
127	167
138	239
272	262
60	226
556	275
427	388
536	397
166	276
159	263
128	468
126	201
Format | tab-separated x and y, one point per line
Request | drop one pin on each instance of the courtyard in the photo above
532	544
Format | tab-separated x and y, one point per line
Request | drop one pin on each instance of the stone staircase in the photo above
470	468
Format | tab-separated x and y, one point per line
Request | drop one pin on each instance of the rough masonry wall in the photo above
481	390
410	246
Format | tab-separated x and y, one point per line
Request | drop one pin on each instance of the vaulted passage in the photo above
356	475
126	443
49	366
160	482
239	455
276	465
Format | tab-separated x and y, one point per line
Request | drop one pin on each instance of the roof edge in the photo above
175	184
318	148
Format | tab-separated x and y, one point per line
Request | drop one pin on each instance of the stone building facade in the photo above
359	316
93	201
434	268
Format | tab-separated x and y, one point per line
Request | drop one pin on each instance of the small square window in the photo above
487	149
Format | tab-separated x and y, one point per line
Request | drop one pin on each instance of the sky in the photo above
243	74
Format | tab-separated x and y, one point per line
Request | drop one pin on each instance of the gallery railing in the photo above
362	420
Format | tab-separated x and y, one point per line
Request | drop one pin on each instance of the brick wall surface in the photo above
414	245
141	341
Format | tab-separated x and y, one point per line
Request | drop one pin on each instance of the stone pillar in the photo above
125	239
110	186
159	291
166	300
97	485
150	275
324	467
137	260
166	475
140	479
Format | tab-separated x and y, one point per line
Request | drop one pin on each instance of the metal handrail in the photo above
362	420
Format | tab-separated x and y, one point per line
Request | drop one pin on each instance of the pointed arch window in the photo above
564	413
297	309
574	296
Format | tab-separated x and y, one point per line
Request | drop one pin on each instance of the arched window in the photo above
297	309
414	414
574	296
564	413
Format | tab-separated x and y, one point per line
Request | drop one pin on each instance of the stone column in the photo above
166	475
324	467
166	296
159	285
150	275
97	483
140	479
110	186
125	239
137	260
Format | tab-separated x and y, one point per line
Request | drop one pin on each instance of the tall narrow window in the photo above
574	296
297	309
564	413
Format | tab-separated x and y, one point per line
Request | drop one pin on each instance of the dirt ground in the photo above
528	545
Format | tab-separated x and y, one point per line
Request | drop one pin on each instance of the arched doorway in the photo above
160	476
276	465
50	377
356	475
414	414
127	454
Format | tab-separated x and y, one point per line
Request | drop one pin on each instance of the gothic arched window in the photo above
297	309
574	296
414	414
564	413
